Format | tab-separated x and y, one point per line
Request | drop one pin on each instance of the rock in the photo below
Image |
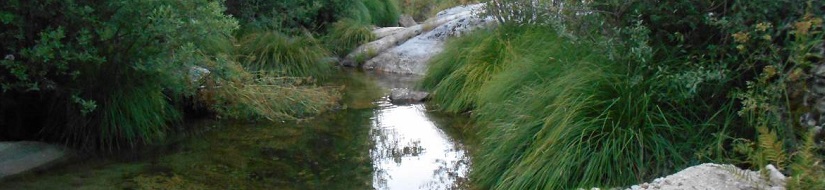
386	31
197	73
25	156
777	179
406	21
412	56
377	47
408	58
712	176
407	96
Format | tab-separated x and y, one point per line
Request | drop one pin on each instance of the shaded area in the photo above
328	152
368	143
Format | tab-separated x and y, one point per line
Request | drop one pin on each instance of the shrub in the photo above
298	16
291	17
107	71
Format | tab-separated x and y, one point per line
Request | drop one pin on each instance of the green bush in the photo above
108	72
298	16
291	17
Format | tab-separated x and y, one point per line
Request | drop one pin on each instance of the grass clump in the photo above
558	113
284	55
383	12
346	35
466	64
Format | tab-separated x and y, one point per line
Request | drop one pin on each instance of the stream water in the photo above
370	145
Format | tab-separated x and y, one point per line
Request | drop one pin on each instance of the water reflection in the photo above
412	152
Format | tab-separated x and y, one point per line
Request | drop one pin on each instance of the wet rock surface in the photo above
25	156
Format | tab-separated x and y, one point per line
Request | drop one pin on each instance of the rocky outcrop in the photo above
409	55
412	56
21	157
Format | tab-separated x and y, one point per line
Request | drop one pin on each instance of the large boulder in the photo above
25	156
412	56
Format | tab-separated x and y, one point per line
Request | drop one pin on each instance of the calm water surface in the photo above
371	144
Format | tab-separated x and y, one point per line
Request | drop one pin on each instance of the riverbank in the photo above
369	143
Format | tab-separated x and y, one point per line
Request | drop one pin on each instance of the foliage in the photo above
347	34
746	59
298	16
565	106
284	55
290	17
808	171
107	70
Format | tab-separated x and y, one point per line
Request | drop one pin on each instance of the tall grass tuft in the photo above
559	114
466	64
359	12
128	115
383	12
284	55
347	34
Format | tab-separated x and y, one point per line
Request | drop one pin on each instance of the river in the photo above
371	144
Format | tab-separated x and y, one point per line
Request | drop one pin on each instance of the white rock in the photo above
776	177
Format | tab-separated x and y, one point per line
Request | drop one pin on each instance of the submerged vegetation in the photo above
606	94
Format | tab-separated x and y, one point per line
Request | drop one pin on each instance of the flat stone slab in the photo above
400	96
24	156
